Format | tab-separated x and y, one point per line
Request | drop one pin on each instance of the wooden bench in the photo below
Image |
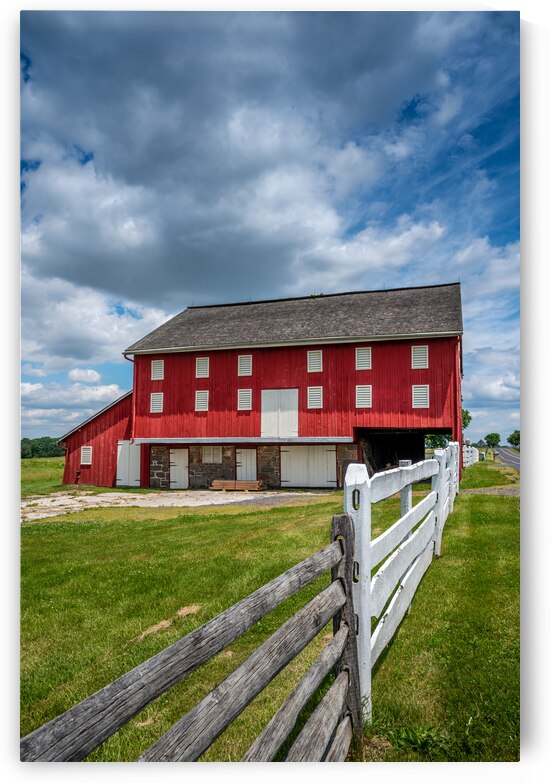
233	485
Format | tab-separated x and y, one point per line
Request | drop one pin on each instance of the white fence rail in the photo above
399	557
470	456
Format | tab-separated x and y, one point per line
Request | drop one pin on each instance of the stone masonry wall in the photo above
346	453
159	467
202	473
269	467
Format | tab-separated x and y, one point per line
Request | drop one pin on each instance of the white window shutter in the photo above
315	361
420	396
86	455
315	397
211	455
364	396
202	367
245	365
244	399
419	357
363	358
156	402
157	370
202	400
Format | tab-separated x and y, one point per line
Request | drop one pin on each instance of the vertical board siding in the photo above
102	433
391	378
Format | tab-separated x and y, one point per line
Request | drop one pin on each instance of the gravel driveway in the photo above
65	502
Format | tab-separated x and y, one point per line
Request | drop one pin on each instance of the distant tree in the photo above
26	448
436	441
492	440
514	439
40	447
466	418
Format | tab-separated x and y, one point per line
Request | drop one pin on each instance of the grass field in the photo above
102	590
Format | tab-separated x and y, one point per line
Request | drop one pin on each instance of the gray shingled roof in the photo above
423	311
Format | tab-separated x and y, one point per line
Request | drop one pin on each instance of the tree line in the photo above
40	447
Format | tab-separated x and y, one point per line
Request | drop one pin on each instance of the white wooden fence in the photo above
398	557
470	456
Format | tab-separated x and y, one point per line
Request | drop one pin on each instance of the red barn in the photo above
286	391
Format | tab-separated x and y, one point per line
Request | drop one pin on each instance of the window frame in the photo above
159	396
370	392
314	390
310	359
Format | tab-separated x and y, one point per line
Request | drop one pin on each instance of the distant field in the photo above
105	589
41	475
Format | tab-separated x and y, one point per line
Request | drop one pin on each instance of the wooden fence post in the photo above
406	495
343	528
357	503
438	487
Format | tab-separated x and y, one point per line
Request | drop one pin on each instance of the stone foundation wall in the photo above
269	466
159	467
202	473
346	453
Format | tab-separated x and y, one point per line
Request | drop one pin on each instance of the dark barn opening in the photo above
383	450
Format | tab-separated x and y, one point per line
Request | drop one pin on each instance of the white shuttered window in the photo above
419	357
315	361
245	364
420	396
363	358
202	400
86	455
244	399
364	396
202	367
156	402
157	370
211	454
315	397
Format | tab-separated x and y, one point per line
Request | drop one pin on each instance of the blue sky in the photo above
189	158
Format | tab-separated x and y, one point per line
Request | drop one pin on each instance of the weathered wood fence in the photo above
398	559
470	455
327	734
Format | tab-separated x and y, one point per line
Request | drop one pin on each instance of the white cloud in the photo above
84	375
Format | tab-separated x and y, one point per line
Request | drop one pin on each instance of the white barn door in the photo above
128	464
279	413
179	469
245	460
309	466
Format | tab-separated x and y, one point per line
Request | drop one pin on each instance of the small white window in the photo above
315	361
244	399
156	402
363	358
245	365
211	455
364	396
202	367
420	396
158	370
315	397
201	400
86	455
419	357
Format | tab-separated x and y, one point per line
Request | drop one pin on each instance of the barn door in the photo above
246	464
279	413
128	464
309	466
179	471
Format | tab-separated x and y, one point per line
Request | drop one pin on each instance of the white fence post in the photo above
438	487
406	495
357	503
451	447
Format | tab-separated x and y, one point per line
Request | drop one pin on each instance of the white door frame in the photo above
178	472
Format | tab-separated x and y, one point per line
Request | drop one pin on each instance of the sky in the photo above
179	158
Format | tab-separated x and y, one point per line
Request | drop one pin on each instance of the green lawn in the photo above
488	474
103	590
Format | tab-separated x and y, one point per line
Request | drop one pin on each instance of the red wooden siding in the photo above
391	377
102	433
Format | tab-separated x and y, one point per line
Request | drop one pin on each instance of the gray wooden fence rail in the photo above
327	734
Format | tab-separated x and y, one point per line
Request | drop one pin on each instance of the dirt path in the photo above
39	507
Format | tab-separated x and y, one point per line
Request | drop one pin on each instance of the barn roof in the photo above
94	416
359	315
